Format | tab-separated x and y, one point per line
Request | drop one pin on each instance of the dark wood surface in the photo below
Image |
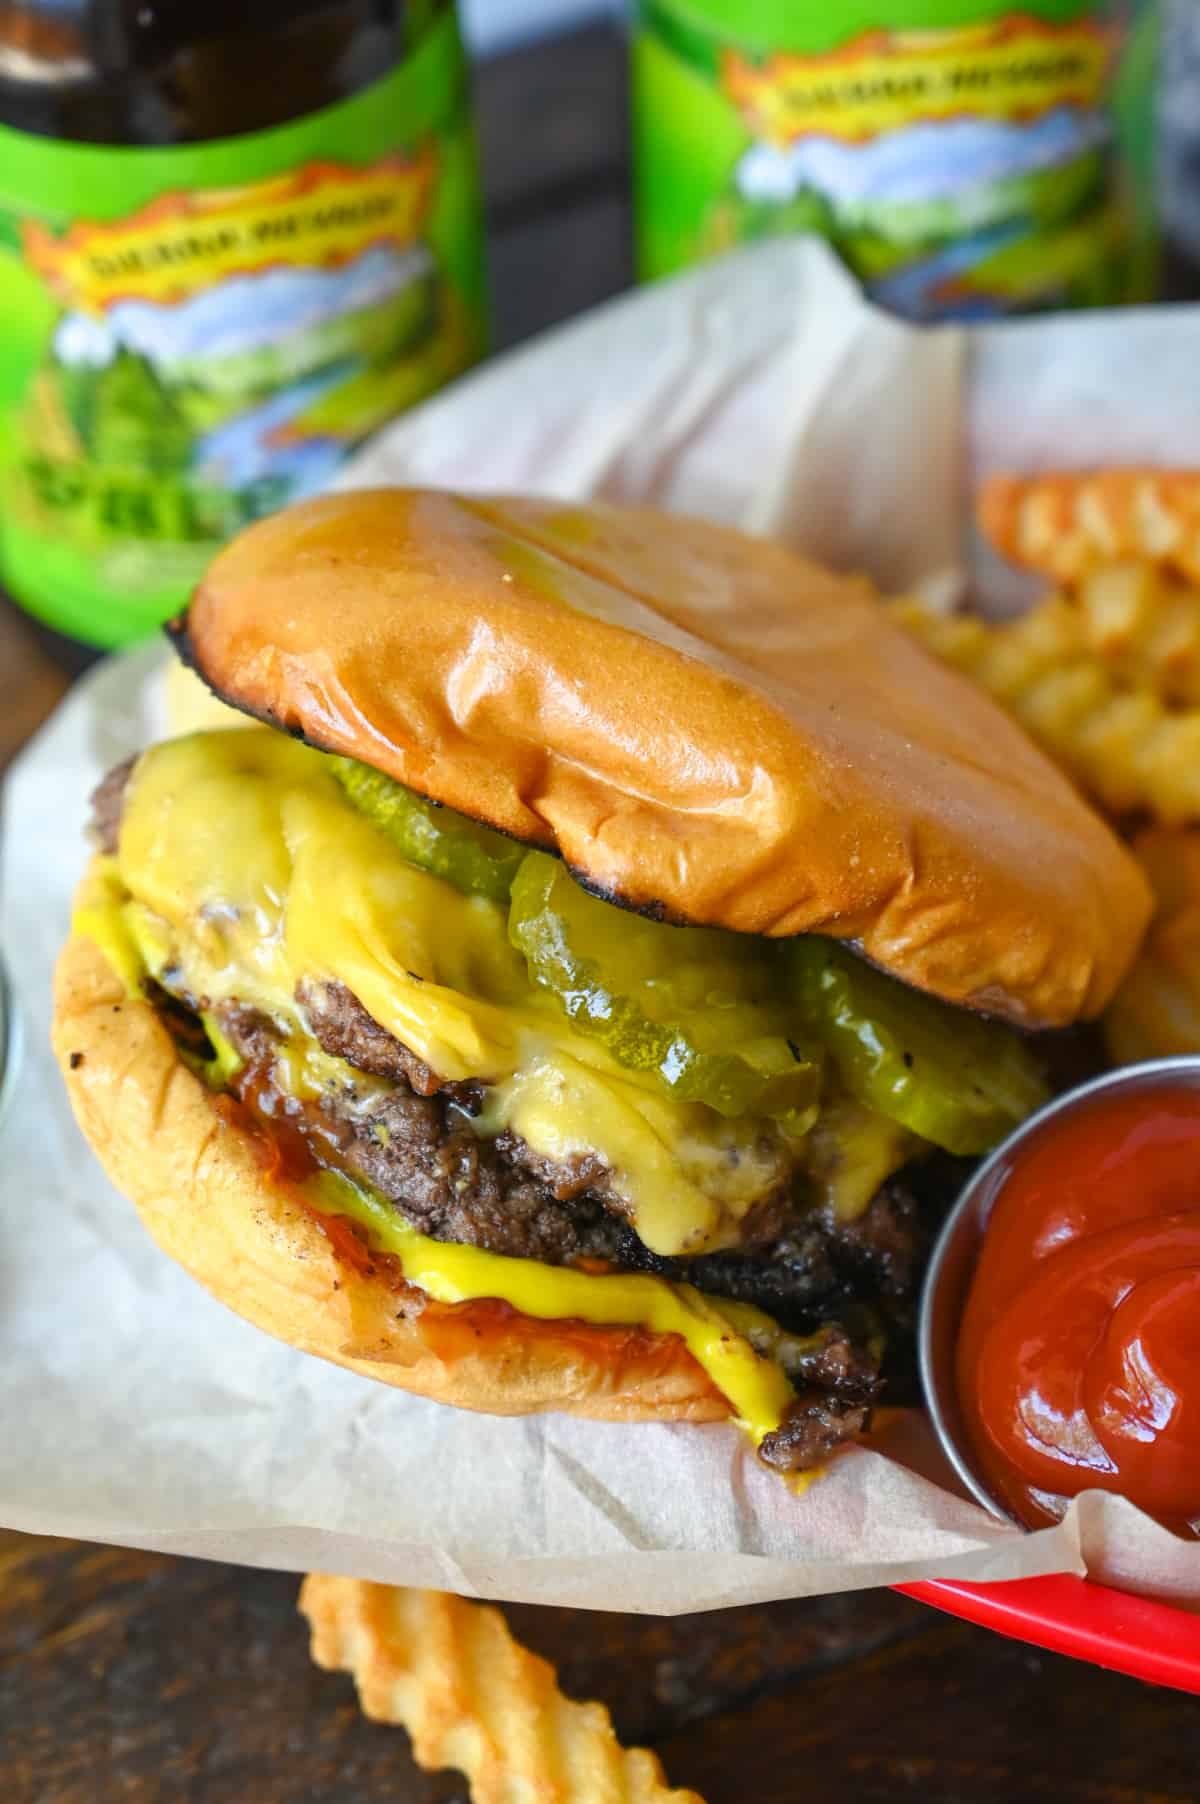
130	1676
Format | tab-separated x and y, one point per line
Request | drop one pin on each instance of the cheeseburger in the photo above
578	982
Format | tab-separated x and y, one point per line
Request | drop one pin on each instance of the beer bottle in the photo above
236	236
963	157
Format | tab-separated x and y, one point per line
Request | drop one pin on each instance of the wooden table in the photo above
131	1676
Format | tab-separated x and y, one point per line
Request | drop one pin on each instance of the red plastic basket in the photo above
1134	1635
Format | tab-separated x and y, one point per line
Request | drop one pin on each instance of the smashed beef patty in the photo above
413	1142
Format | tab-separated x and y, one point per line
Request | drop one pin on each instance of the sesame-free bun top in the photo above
702	723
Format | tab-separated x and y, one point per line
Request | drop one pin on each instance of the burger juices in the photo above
587	998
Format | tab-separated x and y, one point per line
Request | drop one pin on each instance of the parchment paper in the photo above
134	1409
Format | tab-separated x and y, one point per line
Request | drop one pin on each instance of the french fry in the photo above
1146	627
1065	525
472	1698
1124	746
1156	1012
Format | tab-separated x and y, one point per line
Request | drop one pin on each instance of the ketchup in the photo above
1079	1357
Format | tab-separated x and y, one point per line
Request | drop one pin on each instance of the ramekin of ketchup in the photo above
1070	1271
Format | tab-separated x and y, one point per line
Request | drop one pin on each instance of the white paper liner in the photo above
136	1410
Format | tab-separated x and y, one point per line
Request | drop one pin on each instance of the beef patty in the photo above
412	1140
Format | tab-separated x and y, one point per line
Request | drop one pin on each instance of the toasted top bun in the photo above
703	724
196	1179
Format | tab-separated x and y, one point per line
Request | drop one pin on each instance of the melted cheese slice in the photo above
725	1339
250	873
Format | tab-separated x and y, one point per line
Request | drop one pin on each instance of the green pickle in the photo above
475	859
744	1025
689	1004
944	1074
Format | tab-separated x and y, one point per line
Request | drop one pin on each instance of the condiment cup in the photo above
952	1263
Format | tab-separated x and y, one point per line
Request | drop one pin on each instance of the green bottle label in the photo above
960	158
191	337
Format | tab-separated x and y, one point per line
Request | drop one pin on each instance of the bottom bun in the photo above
197	1180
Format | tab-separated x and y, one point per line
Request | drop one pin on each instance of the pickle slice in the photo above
691	1005
474	858
943	1073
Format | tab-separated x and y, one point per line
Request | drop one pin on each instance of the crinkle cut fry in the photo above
472	1698
1156	1012
1123	746
1146	625
1065	524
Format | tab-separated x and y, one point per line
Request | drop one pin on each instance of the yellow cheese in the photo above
250	873
685	1172
850	1152
718	1336
99	915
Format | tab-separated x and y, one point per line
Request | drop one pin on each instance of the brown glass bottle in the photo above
235	237
186	71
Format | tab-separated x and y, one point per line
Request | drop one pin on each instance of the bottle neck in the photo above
161	72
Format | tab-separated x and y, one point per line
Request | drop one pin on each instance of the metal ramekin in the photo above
952	1263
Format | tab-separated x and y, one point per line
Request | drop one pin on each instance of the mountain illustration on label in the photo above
954	168
199	327
224	348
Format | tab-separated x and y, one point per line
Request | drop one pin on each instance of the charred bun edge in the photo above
177	632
